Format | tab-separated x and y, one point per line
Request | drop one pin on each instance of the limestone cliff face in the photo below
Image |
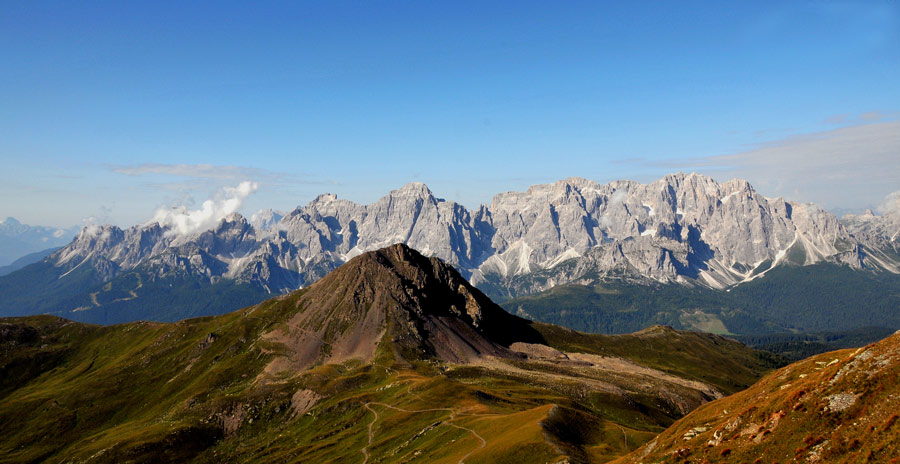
682	228
878	235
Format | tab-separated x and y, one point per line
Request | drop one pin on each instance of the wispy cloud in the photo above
842	118
843	151
863	118
849	167
871	116
206	175
200	171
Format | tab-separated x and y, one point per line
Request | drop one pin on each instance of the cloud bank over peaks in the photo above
183	221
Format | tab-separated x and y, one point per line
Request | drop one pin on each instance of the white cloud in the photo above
186	222
617	198
891	204
91	229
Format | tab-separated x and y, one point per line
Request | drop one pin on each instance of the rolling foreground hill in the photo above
390	358
841	406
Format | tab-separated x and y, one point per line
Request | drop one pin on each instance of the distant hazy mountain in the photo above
682	229
30	258
18	240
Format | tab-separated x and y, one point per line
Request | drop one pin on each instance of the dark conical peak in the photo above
396	255
422	285
406	262
421	306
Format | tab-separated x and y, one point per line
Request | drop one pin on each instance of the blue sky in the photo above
112	110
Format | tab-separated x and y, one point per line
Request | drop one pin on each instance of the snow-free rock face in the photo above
879	234
870	226
682	228
688	228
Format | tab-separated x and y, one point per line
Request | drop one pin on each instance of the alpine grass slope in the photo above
840	406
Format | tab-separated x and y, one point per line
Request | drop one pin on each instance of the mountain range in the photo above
685	229
393	357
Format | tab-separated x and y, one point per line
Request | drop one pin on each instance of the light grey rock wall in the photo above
683	228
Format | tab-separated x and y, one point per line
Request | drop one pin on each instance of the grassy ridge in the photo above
169	391
685	354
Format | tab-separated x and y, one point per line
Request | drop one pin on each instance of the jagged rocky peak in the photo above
234	237
421	306
234	217
418	189
324	202
874	228
233	224
92	239
324	198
